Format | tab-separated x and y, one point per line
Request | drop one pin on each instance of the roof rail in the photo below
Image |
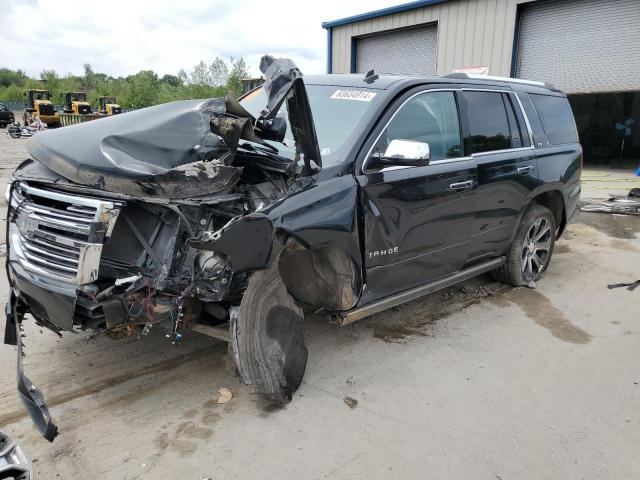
474	76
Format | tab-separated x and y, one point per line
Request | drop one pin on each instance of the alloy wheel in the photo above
536	249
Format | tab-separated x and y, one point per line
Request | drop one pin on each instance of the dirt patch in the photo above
540	309
210	418
190	430
350	402
561	248
162	441
162	366
416	318
268	408
183	441
190	413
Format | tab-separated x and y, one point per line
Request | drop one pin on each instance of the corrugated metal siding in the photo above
408	51
470	33
581	45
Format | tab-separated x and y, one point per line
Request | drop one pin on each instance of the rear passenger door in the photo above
497	137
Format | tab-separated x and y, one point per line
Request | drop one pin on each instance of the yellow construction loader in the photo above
39	105
76	102
108	106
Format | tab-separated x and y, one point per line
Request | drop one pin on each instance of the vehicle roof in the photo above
398	82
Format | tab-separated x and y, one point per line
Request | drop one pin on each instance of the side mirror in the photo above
273	129
402	153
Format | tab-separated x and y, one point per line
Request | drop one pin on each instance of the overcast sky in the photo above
120	37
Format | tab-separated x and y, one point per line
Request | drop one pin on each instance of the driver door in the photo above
417	219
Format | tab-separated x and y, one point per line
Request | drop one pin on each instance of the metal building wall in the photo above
470	33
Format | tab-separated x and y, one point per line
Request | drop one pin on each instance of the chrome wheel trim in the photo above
536	248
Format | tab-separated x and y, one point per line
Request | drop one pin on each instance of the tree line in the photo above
143	89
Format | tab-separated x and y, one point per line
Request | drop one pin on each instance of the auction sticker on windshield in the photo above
358	95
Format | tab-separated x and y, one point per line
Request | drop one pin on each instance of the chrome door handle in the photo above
525	170
456	187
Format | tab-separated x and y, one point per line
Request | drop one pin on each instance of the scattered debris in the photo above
630	286
629	205
351	402
224	395
121	331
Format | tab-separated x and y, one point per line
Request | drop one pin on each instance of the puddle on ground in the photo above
623	227
540	309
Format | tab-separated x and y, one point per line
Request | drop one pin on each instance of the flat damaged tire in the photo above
271	349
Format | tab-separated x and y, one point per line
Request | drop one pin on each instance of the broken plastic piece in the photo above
224	395
122	281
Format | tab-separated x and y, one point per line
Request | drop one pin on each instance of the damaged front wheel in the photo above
272	353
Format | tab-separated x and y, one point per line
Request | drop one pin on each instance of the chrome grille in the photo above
58	235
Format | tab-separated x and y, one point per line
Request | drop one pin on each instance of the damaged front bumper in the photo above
30	395
66	264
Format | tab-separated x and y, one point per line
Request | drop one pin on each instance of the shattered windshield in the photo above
336	113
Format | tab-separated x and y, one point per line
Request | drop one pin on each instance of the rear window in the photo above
556	117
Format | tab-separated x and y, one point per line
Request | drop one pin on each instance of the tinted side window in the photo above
430	117
488	123
556	117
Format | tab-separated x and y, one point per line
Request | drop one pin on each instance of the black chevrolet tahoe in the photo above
344	193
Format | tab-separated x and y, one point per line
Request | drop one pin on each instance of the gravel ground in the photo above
480	381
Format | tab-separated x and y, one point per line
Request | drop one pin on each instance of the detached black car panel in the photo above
335	192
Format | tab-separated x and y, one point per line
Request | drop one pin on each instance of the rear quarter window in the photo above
556	117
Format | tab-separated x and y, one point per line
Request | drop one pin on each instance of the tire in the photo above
530	252
271	349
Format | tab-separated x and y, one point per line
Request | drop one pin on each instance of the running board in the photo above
406	296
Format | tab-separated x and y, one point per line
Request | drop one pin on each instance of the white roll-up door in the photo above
410	51
581	45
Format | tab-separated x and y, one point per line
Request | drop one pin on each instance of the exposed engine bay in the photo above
143	261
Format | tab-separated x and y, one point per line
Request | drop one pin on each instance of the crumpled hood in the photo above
139	146
160	150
